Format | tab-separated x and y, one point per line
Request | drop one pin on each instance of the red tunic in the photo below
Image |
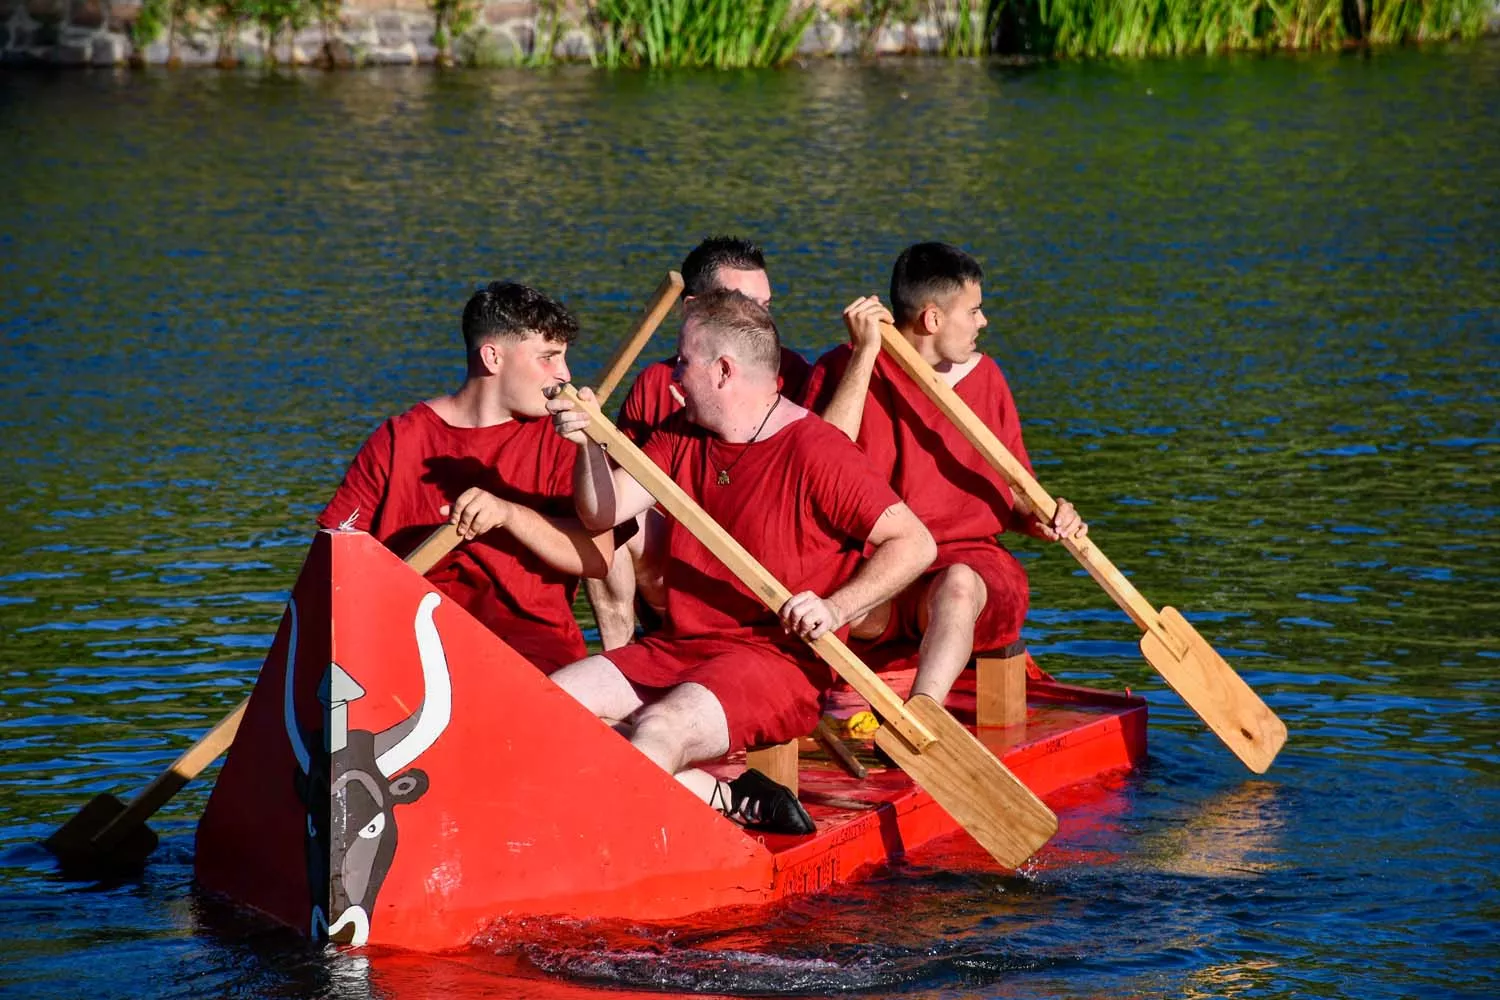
963	501
416	462
803	502
651	401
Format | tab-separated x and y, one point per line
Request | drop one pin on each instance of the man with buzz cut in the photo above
718	262
975	595
723	673
486	460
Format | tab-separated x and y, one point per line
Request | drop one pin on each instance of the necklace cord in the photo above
723	477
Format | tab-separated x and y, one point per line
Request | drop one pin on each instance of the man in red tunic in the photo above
486	460
724	673
975	595
717	262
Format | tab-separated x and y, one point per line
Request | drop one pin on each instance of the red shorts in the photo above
1007	595
767	696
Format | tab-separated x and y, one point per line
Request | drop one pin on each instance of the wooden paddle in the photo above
1171	645
939	754
656	310
107	834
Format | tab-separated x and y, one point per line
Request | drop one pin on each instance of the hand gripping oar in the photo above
931	746
107	834
1171	645
656	310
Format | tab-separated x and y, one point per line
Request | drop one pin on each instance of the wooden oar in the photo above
108	834
939	754
1171	645
656	310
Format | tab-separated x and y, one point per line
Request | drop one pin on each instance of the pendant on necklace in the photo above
723	479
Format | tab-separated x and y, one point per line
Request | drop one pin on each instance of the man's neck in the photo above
750	418
475	404
926	346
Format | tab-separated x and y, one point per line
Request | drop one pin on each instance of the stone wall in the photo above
368	33
385	32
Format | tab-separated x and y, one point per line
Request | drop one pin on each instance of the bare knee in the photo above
957	588
687	725
597	684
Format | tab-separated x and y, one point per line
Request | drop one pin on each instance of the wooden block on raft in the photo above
1000	686
778	762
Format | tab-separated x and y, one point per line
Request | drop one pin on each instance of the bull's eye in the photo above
372	829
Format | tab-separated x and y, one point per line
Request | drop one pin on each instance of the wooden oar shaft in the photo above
1029	492
656	310
748	570
218	739
167	784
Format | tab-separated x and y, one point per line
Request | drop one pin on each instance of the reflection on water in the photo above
1248	309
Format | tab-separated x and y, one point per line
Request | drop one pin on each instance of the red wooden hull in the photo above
402	777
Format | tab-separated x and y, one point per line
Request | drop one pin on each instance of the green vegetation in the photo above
1173	27
732	34
722	34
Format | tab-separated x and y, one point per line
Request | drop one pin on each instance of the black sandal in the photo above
758	803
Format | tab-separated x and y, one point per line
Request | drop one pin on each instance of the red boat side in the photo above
402	777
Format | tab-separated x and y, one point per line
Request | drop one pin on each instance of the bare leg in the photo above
613	597
598	686
651	559
687	725
954	600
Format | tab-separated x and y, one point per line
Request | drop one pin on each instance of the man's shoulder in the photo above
417	420
815	437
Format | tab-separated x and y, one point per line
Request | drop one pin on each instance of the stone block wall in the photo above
371	33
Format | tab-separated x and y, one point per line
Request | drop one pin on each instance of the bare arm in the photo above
903	550
604	496
560	542
846	410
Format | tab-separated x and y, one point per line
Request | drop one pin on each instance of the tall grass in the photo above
1174	27
722	34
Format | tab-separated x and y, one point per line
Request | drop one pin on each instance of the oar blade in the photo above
978	791
1220	696
77	851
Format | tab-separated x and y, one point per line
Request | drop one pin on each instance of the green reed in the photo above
722	34
1174	27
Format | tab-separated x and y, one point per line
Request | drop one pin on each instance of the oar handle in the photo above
436	545
1029	492
656	310
748	570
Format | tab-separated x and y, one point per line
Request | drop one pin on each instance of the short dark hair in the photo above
511	309
734	320
927	272
703	263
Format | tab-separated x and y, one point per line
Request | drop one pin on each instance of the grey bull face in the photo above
351	791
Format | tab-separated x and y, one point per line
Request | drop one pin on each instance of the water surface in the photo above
1249	310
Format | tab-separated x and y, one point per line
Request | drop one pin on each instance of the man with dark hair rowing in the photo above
718	262
975	595
723	673
485	460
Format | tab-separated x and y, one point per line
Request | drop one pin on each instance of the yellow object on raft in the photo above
859	726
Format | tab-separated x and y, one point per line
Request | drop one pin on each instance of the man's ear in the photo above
723	367
932	319
490	357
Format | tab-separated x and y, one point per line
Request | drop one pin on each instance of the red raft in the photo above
403	778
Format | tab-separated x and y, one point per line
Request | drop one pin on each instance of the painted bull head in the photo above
352	790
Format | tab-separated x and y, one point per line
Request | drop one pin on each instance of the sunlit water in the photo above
1250	311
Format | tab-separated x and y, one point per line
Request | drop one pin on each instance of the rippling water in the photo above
1250	311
